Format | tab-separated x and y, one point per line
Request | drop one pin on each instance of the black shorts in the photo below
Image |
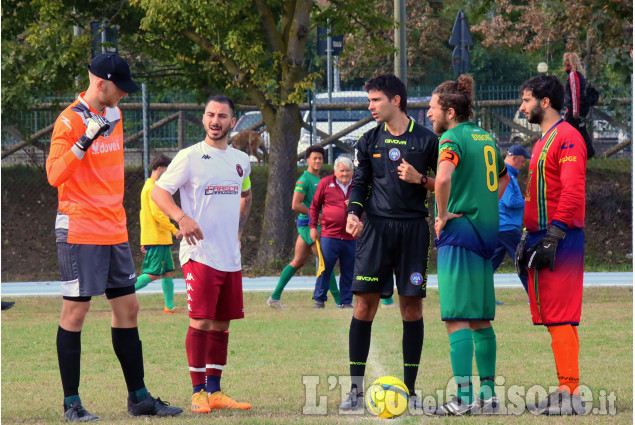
387	246
90	270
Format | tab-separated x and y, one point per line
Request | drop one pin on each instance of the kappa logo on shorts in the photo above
416	278
132	276
394	154
189	277
239	169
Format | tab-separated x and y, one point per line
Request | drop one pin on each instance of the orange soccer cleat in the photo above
171	310
199	402
219	400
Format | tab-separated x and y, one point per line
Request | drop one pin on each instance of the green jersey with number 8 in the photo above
474	190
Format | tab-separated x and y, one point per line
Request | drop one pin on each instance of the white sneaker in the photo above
277	304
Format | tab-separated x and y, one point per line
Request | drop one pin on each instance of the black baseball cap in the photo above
111	67
518	150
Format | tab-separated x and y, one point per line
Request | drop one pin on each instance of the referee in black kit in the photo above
390	187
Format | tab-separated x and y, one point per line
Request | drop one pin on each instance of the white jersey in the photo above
210	183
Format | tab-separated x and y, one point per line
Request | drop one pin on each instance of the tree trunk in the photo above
277	236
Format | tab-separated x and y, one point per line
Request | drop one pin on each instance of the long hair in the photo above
458	95
574	62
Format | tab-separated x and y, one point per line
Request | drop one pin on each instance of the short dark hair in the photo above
548	86
315	148
458	95
159	161
219	98
391	86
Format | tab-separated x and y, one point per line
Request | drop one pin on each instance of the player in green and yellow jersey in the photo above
471	178
302	197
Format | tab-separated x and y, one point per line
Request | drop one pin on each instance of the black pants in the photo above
580	125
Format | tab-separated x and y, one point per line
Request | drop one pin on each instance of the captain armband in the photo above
448	155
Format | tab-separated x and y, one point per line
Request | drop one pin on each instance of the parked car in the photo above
342	119
517	137
603	131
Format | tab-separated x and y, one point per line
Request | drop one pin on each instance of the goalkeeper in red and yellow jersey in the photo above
551	250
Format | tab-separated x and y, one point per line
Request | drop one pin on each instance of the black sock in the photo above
69	350
127	347
412	345
358	346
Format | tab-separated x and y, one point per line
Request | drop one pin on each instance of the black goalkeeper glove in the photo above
95	126
520	259
543	254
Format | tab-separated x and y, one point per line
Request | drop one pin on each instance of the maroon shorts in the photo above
213	294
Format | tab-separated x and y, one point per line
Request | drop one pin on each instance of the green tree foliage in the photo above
259	47
42	56
600	31
428	28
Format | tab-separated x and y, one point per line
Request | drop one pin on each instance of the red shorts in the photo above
555	297
213	294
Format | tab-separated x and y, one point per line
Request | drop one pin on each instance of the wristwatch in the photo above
424	180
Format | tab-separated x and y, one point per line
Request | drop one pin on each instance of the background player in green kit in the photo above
302	197
471	178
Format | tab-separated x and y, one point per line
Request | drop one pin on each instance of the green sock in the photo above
139	395
485	353
334	289
70	399
285	277
461	353
387	301
168	291
142	282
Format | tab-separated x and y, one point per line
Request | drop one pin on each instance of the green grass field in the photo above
270	352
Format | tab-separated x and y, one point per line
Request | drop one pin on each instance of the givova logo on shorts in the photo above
367	278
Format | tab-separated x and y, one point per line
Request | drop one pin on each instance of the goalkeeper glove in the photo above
521	258
543	254
95	126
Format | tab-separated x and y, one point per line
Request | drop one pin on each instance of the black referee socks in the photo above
412	345
358	347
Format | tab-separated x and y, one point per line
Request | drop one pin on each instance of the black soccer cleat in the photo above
7	304
353	401
77	413
454	407
152	407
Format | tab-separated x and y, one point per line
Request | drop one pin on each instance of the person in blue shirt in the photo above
510	209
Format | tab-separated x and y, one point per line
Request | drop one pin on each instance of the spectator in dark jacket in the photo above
331	198
574	98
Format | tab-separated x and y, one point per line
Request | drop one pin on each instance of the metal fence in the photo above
175	121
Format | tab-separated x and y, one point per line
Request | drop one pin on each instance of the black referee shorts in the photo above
392	246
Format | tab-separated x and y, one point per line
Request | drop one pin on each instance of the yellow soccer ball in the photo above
387	397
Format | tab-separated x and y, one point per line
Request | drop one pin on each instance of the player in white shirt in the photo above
215	190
